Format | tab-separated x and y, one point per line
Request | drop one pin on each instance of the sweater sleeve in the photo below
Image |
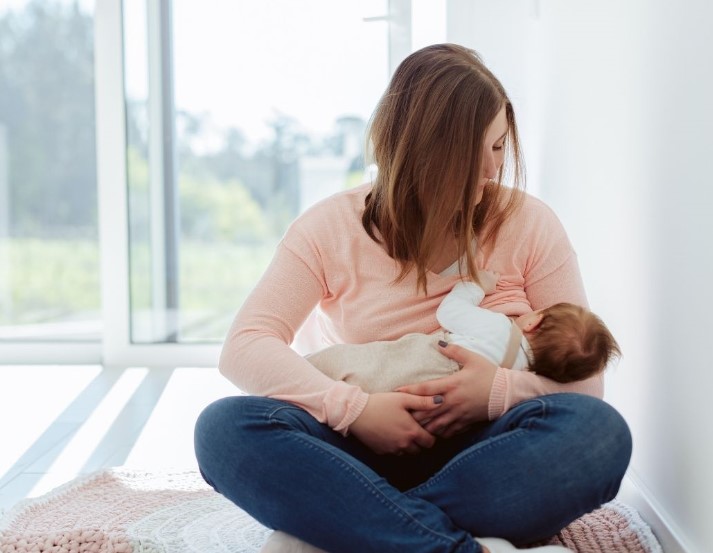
257	356
553	276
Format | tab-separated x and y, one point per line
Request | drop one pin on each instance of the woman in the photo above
483	452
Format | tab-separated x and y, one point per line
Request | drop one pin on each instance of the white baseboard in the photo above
636	495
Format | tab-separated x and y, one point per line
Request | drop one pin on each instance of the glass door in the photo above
228	120
240	115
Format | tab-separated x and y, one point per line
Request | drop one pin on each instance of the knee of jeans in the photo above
608	426
604	439
220	421
217	413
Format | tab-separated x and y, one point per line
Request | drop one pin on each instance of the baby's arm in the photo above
459	311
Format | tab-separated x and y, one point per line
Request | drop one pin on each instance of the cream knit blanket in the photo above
384	366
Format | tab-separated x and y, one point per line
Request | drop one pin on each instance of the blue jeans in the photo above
523	477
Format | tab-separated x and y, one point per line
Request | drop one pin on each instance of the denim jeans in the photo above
523	477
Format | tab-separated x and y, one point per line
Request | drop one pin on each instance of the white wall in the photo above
622	134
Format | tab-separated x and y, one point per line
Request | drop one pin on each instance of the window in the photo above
236	123
49	248
216	123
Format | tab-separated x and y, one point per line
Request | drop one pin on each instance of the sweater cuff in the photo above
353	411
498	394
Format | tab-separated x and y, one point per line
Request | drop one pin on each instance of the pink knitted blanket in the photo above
123	511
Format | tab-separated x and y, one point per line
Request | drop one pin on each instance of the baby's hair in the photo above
571	343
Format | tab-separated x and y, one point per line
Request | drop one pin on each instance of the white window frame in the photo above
118	349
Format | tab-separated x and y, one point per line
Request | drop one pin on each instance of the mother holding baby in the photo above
473	462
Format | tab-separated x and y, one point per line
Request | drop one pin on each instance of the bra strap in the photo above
513	347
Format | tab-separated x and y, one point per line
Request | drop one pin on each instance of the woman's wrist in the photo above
354	411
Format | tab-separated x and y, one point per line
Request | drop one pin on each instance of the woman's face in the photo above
493	151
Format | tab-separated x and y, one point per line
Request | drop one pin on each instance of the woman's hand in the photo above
465	394
387	426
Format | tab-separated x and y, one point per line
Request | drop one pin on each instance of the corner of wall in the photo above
635	494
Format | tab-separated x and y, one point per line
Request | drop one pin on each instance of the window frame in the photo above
118	349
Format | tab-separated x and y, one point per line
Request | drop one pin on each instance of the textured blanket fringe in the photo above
651	544
614	528
8	516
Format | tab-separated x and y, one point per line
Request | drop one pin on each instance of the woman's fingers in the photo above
440	386
387	427
422	440
463	356
426	388
442	427
465	402
445	426
447	405
422	417
422	402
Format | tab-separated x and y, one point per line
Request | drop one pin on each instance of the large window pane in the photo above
270	102
49	259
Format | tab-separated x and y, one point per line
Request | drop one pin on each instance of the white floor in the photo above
58	422
62	421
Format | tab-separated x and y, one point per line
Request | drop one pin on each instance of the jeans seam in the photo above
271	414
543	414
380	496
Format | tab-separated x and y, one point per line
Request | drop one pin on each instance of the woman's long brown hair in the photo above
427	138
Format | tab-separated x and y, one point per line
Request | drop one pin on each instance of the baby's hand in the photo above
488	280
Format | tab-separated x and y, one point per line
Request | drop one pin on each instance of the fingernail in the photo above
437	399
442	343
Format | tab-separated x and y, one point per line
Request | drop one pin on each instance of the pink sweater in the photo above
326	259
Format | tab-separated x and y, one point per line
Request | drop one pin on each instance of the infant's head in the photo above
568	342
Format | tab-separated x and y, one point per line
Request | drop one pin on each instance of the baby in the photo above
563	342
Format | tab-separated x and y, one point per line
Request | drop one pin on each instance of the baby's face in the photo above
529	321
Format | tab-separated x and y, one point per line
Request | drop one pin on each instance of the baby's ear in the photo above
534	322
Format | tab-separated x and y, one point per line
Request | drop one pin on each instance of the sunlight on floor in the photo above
31	399
81	447
167	438
66	421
